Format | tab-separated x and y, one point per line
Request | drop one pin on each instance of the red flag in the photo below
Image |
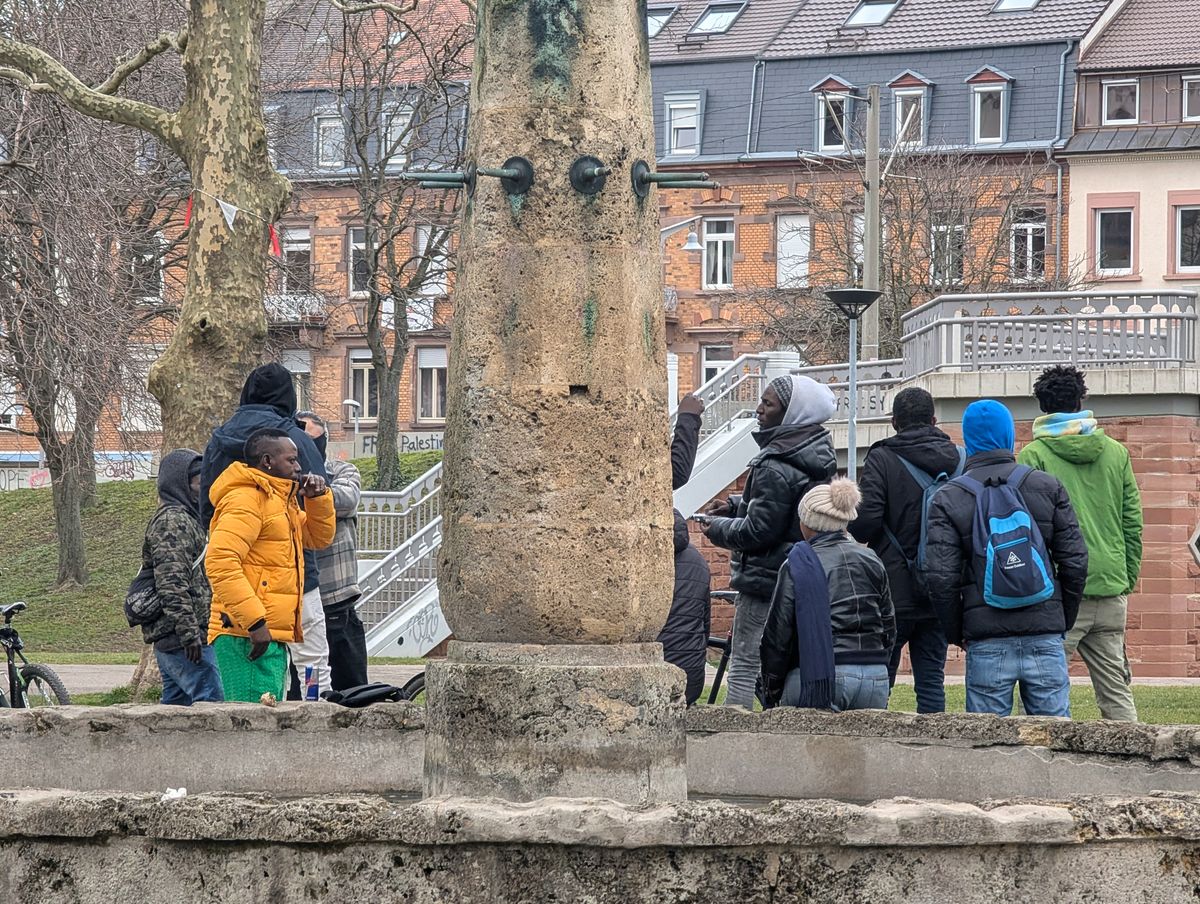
187	214
274	241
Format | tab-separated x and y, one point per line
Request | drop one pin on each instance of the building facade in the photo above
1135	154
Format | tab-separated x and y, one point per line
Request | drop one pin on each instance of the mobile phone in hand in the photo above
700	518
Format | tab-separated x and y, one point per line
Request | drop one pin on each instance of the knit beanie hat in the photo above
829	507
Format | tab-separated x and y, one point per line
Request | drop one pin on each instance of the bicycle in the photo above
30	684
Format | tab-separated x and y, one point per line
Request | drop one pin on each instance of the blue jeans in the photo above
854	687
927	652
185	682
1038	662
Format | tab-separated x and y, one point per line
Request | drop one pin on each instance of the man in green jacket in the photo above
1098	476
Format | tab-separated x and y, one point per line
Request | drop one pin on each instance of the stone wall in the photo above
96	847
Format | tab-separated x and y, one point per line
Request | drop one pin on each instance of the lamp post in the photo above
853	303
355	407
693	241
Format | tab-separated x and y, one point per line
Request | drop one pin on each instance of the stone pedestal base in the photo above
522	721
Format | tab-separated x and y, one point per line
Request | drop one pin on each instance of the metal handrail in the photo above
400	576
387	519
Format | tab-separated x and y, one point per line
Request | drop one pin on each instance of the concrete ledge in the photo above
345	819
217	747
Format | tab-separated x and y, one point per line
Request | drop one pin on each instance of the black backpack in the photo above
365	694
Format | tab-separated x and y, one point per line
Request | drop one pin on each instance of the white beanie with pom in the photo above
832	506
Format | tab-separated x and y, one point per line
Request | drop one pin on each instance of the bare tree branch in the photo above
176	41
365	6
40	68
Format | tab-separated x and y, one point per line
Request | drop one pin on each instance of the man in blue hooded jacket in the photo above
269	400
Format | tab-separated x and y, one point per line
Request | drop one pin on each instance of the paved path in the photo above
95	679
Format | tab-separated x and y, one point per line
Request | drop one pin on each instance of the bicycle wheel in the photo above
414	689
43	687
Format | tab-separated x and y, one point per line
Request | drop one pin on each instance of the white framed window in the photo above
299	364
357	264
1013	6
396	135
364	388
833	124
909	104
296	271
1191	103
431	383
331	142
713	360
718	253
683	126
436	281
1027	249
4	152
858	247
140	411
871	12
793	240
146	267
1114	242
1120	102
946	253
1187	239
657	18
987	113
717	18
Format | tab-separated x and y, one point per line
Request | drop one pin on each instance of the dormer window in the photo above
656	19
1013	6
1121	102
717	18
871	12
990	99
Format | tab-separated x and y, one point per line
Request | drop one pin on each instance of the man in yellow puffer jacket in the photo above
255	561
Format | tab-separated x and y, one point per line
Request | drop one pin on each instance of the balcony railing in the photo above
1017	330
295	307
877	380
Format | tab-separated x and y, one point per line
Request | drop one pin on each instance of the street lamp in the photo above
356	407
693	241
853	303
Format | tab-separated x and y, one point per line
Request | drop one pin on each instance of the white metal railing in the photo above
877	380
294	307
387	520
732	393
401	575
1018	330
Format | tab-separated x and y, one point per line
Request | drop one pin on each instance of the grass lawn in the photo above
91	618
1156	704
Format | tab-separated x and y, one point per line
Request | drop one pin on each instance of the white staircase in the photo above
399	602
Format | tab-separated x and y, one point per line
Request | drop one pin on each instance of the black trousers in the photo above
347	646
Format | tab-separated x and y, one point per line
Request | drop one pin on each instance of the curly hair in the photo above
1060	388
912	407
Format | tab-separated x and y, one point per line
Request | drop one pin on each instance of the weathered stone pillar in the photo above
557	508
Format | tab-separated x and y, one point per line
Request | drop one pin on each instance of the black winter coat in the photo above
860	611
684	444
685	635
891	499
765	524
952	568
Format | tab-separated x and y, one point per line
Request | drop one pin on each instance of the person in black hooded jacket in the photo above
889	521
269	400
685	635
761	524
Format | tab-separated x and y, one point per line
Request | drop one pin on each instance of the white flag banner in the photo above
229	210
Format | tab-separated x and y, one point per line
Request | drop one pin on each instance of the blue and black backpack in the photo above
929	485
1016	570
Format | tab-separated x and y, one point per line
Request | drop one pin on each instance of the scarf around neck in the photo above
1064	423
814	628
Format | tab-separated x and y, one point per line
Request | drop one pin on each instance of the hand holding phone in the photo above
700	519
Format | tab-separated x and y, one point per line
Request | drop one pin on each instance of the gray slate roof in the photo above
759	22
1148	33
815	28
1158	138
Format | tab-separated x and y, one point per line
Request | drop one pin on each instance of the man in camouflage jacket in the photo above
174	543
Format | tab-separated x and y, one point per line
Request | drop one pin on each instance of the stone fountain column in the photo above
556	569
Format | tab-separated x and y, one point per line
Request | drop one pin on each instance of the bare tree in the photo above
82	272
400	84
953	221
